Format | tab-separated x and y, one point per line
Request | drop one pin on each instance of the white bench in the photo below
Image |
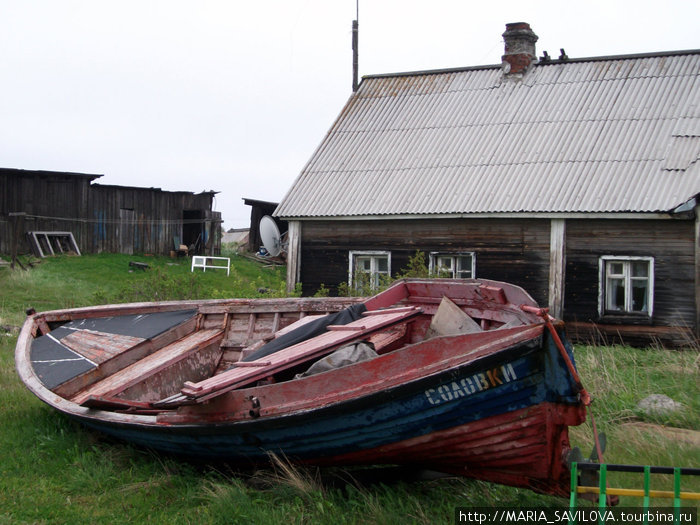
207	261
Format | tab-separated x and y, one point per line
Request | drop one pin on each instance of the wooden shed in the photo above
258	209
105	218
577	179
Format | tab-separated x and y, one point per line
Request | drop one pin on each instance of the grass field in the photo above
55	471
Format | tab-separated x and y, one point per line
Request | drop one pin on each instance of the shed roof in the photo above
603	134
43	173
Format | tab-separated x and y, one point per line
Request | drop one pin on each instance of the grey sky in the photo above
235	96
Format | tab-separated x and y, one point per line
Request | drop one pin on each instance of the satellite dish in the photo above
271	238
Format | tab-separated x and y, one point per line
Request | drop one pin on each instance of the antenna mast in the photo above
355	24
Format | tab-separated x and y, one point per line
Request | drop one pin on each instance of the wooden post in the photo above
17	227
697	271
557	266
293	255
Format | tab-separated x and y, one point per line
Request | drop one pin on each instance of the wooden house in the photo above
577	179
104	218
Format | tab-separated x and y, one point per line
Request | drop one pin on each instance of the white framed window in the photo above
369	268
626	285
454	265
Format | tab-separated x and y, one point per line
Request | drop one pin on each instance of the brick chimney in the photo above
520	48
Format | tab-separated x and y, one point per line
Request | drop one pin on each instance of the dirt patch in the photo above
684	435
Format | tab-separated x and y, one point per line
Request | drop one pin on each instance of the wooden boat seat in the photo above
150	365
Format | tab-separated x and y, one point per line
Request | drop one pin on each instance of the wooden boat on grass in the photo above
460	376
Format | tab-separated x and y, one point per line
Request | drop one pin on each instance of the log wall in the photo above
669	242
518	251
506	250
117	219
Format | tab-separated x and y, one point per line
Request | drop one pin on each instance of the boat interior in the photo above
159	357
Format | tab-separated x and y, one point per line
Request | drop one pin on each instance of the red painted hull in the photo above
525	448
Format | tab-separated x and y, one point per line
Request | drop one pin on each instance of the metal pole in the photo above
355	50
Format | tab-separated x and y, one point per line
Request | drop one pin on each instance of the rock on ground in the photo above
658	404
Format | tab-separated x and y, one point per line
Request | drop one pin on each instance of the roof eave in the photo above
486	215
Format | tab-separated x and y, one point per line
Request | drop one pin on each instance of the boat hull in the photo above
502	417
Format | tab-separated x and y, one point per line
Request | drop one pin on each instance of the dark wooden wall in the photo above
155	221
102	218
669	242
47	198
517	251
507	250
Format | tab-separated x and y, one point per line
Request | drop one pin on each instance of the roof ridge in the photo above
552	62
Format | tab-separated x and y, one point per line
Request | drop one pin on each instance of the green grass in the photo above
54	471
624	375
618	378
66	282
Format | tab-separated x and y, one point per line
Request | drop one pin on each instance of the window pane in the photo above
640	269
464	267
445	263
640	294
382	264
616	268
615	298
443	266
364	264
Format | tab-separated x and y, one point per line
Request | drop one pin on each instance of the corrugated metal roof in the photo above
600	135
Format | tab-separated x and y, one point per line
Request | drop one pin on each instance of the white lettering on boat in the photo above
469	385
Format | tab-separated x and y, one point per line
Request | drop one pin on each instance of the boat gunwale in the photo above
90	312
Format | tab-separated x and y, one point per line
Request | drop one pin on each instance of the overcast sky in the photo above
234	96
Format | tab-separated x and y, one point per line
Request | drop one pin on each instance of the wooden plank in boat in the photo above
493	293
383	339
43	327
82	382
395	310
98	347
149	365
325	305
296	324
293	355
389	297
113	403
346	328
